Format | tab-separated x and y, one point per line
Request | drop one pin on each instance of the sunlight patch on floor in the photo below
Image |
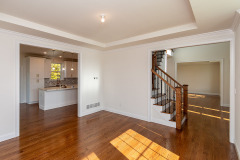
91	156
208	108
137	147
196	96
209	115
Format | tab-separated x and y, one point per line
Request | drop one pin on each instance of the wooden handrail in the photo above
170	77
163	79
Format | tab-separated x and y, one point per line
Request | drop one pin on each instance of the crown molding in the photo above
187	41
236	20
46	29
35	26
159	33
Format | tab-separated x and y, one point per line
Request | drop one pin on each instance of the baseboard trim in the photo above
113	110
7	137
226	105
238	151
91	111
214	94
163	122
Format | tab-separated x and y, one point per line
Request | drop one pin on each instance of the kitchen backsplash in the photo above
66	81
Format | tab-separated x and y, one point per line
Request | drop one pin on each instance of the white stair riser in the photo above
163	116
154	101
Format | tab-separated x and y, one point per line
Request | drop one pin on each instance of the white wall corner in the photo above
236	20
113	110
7	136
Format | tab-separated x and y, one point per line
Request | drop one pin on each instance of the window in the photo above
55	71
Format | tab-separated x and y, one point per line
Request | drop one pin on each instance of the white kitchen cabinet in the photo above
47	68
35	78
68	73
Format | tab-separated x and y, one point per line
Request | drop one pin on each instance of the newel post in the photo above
185	100
154	63
178	108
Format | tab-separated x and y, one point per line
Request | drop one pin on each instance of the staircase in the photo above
169	99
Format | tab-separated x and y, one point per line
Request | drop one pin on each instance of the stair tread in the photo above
163	102
169	110
157	95
155	88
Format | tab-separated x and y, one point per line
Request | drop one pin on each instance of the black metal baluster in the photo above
157	89
170	97
165	90
161	88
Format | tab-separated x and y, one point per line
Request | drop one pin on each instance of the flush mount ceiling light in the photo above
44	52
102	18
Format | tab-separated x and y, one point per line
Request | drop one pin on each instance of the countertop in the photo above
57	88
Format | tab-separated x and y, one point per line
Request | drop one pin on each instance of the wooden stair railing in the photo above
176	94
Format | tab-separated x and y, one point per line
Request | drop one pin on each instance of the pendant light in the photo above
63	67
53	60
72	63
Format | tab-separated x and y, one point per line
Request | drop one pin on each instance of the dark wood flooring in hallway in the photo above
60	134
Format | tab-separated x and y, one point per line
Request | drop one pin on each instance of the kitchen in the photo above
48	78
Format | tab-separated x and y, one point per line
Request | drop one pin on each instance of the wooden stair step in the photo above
155	88
163	102
158	95
169	110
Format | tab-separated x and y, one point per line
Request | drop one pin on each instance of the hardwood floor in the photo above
60	134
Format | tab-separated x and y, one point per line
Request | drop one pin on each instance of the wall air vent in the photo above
93	105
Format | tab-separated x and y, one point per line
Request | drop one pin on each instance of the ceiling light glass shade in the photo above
72	69
102	18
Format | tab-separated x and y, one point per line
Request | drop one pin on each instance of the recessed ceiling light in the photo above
60	56
44	52
102	18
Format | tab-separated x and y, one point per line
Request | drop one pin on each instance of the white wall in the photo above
202	77
9	96
237	99
211	52
91	88
126	80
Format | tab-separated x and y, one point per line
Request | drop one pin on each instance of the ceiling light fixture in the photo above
60	56
44	52
102	18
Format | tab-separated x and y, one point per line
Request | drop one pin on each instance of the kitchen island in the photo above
55	97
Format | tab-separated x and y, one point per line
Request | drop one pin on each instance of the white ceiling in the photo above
78	21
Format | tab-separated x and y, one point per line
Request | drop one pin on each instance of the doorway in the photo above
48	85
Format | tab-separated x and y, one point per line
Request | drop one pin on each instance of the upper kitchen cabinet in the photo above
69	73
47	68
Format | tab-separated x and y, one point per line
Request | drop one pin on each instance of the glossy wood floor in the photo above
59	134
